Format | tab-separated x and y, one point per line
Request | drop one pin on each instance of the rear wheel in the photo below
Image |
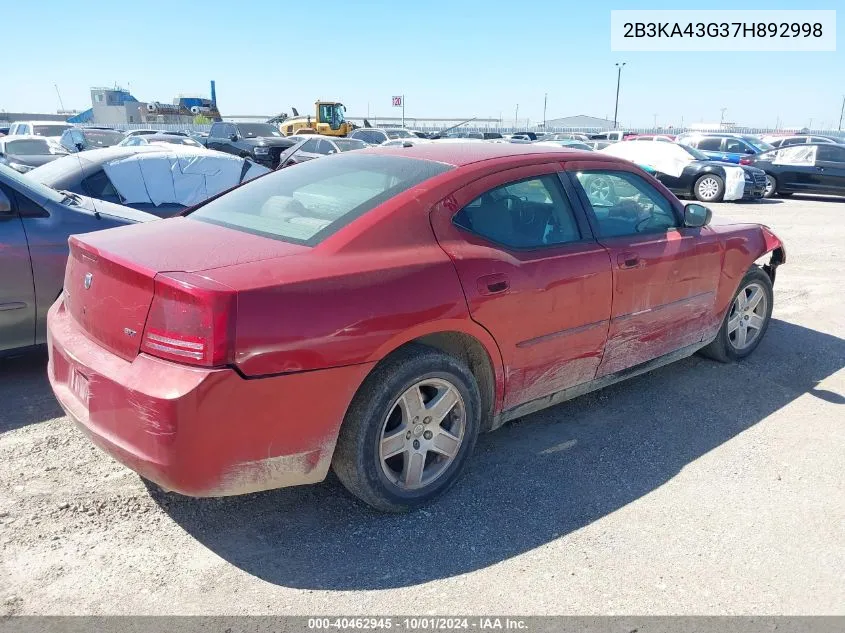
746	320
409	430
709	188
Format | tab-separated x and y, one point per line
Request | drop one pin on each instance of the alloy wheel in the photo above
422	434
747	317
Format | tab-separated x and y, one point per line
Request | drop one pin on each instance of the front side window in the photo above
307	204
623	203
531	213
736	146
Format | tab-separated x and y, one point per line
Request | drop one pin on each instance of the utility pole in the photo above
61	105
619	68
545	101
722	118
842	113
403	111
655	122
516	117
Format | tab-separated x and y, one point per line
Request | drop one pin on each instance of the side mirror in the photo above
696	215
5	203
748	150
233	137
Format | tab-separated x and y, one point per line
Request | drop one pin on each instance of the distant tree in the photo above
201	120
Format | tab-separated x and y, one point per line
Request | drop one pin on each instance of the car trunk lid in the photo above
110	279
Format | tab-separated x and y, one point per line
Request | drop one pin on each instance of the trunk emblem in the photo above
89	279
129	331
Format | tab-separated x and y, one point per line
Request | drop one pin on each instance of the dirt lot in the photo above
699	488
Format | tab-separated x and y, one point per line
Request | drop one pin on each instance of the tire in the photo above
376	413
724	347
709	188
771	186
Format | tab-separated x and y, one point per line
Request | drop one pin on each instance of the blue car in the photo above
728	148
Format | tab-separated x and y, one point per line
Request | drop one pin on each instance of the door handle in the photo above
493	284
628	260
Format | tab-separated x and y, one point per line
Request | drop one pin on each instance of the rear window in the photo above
102	138
32	147
346	144
399	134
308	203
49	130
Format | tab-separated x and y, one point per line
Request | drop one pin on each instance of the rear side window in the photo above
307	204
831	153
530	213
709	144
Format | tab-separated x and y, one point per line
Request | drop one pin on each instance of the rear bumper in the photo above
199	432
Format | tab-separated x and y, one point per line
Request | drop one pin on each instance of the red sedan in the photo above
374	311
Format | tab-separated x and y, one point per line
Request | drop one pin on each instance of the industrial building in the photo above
116	106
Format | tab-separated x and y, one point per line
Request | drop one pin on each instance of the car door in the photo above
665	276
533	276
795	169
737	148
17	291
830	164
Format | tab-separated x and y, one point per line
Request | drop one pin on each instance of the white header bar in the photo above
722	30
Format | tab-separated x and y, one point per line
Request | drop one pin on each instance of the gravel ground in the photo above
697	489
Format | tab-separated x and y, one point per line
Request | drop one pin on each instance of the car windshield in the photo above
29	183
103	138
399	134
307	204
694	152
346	144
28	147
49	130
256	130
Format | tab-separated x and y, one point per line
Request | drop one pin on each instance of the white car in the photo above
52	130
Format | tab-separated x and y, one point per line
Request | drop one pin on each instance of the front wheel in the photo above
709	188
746	320
409	430
771	186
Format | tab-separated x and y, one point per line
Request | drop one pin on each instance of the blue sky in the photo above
449	58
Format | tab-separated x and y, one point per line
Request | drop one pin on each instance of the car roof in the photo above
459	154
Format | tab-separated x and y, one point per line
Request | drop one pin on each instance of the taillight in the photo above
745	161
191	320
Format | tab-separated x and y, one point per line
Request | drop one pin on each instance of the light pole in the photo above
545	101
516	118
619	68
841	113
722	119
655	122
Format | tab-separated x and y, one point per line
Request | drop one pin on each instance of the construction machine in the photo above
328	119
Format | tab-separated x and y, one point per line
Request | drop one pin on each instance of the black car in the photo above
810	168
317	146
78	139
705	179
262	142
